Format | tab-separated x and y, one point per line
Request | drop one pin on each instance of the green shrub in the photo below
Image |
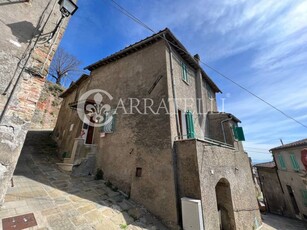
99	174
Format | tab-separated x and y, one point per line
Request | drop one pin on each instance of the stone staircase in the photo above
82	160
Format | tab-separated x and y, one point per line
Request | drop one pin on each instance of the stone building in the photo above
165	140
291	162
271	188
27	45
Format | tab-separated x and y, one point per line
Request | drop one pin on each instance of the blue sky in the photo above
261	44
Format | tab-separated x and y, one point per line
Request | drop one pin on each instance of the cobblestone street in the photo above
272	222
61	202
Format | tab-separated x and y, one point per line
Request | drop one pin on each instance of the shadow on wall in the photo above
24	31
8	2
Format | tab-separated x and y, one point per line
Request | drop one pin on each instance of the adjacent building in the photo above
271	188
166	139
291	162
29	39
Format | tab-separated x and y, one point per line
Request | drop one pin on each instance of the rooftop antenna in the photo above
282	143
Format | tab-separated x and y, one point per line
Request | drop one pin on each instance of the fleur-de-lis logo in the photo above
92	112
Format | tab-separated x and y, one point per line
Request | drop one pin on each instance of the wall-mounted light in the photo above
67	7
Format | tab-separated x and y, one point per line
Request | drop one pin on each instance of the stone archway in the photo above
224	205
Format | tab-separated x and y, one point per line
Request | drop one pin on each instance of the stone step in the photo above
65	166
67	160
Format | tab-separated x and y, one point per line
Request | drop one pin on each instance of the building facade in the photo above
271	189
26	50
291	162
166	140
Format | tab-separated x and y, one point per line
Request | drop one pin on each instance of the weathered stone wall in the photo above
47	107
25	57
296	179
215	164
142	141
186	93
146	141
272	191
63	134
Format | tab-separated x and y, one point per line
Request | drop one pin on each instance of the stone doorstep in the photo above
65	166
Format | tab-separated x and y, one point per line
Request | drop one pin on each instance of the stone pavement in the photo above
272	222
62	202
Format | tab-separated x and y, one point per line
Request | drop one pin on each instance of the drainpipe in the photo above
173	86
174	152
228	119
199	95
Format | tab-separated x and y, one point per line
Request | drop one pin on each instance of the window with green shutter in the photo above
238	133
295	165
304	194
281	162
190	125
109	120
184	72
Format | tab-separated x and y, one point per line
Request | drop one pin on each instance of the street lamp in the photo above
67	7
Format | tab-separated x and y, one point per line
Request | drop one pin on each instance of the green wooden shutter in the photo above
109	127
190	125
238	133
281	162
295	165
304	194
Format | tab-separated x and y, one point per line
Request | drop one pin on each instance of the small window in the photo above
295	165
184	72
138	172
304	194
281	162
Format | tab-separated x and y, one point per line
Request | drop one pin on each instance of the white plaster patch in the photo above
3	169
15	43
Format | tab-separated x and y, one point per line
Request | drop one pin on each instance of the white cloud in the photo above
264	42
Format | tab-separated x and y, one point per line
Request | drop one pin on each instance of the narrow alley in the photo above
59	201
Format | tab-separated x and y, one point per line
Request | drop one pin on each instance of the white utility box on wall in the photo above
192	215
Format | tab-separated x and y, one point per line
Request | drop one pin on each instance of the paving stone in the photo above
61	202
107	225
109	213
4	212
125	205
93	216
78	220
50	211
58	222
86	208
136	213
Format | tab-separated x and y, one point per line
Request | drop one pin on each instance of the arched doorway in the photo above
224	205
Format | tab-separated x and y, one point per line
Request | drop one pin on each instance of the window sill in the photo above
186	82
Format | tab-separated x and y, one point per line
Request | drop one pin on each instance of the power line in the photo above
257	149
137	20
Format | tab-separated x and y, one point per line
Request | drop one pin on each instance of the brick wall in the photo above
24	61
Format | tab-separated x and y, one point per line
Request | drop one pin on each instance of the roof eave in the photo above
179	47
74	85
